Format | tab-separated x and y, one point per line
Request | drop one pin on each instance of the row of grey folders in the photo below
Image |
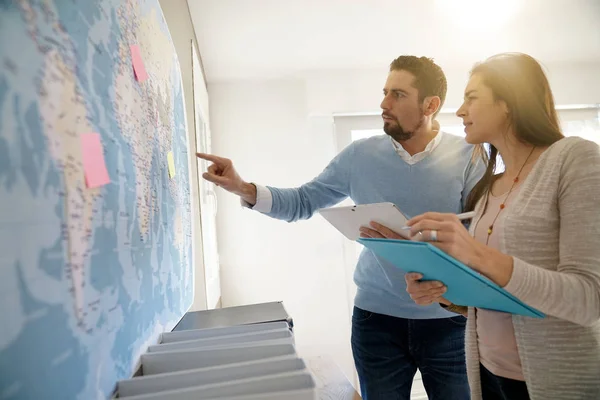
245	362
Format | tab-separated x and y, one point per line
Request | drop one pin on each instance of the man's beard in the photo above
398	133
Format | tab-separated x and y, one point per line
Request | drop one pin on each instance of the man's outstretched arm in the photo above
329	188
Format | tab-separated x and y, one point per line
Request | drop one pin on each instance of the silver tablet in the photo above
349	219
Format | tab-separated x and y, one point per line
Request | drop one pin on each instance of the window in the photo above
582	122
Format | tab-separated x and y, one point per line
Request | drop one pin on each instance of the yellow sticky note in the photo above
171	162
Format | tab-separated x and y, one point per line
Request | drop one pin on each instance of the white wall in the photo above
178	19
264	128
280	133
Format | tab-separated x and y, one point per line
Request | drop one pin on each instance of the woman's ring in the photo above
433	235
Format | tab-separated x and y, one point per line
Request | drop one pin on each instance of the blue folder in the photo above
465	286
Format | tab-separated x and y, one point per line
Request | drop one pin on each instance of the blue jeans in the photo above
388	350
495	387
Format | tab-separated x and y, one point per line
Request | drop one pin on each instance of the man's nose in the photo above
385	103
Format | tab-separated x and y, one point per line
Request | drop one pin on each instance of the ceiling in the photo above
268	39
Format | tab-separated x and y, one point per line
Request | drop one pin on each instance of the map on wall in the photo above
95	229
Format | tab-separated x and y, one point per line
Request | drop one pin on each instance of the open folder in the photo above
465	286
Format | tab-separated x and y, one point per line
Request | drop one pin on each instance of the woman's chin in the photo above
472	139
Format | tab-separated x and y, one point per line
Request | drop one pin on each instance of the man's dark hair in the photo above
430	80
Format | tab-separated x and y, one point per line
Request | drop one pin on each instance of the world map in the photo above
89	276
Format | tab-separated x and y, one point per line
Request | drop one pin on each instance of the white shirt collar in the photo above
419	156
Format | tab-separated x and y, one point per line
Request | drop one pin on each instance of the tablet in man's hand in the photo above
349	219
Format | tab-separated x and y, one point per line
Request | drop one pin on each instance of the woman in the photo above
536	233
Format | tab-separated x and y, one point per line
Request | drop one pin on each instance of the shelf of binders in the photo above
242	362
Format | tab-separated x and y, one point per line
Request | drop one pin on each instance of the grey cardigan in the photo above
552	230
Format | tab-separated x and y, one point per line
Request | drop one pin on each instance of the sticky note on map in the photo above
171	162
94	167
138	63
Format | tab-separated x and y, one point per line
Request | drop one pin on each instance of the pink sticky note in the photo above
94	167
138	63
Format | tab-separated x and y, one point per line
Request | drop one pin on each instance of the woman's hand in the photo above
446	232
378	231
424	293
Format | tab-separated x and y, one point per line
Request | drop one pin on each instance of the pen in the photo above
462	216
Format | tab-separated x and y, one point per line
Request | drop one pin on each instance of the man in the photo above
419	169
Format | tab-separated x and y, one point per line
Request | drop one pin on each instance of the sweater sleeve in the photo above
572	292
327	189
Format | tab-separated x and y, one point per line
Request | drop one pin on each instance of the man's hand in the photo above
424	293
223	174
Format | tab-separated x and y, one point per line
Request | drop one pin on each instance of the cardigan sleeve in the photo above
572	292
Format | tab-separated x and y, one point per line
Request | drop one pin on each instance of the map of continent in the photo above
89	275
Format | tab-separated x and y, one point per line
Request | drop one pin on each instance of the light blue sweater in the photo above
371	171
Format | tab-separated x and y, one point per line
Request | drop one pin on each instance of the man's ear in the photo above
431	105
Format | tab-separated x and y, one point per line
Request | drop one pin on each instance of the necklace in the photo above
503	204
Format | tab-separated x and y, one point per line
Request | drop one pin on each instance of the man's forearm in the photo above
455	308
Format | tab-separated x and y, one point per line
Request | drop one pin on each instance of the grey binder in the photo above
194	334
210	375
269	337
232	316
161	362
251	386
261	343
